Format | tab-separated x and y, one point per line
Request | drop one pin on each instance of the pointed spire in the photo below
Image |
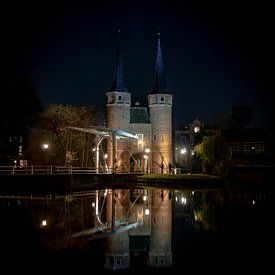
118	78
159	85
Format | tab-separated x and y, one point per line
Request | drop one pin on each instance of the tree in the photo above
213	154
240	117
66	146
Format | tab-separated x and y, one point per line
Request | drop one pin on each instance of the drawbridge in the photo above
101	133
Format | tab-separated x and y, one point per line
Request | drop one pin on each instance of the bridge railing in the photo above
46	170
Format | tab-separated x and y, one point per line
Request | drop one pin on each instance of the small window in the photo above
111	99
162	99
246	149
154	100
155	137
119	97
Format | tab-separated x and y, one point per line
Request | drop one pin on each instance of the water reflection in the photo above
131	230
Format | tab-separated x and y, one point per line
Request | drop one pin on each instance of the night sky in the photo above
216	53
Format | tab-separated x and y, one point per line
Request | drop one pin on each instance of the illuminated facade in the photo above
152	151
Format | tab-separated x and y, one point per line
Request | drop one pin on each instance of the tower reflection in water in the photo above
120	229
151	214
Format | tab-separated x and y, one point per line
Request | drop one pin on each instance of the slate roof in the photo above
139	115
159	84
118	83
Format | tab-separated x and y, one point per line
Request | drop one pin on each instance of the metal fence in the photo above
48	170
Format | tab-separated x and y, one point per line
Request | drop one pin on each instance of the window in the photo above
155	137
111	98
239	149
162	99
196	129
20	150
260	148
154	100
246	149
119	97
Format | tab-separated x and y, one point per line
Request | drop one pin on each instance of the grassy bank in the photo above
179	181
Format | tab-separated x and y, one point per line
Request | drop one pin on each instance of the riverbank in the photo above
61	184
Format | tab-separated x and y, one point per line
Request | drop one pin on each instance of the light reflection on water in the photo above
138	229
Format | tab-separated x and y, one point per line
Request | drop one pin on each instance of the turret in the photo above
118	111
160	108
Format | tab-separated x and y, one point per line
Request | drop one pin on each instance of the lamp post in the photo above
147	160
182	152
105	163
193	130
190	147
45	148
145	163
97	152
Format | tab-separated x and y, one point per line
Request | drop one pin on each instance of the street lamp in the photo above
105	162
182	152
145	163
45	148
97	152
194	129
146	158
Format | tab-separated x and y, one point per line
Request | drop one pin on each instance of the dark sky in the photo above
216	53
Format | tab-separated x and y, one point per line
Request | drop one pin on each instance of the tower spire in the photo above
159	84
118	78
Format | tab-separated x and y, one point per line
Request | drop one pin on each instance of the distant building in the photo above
152	151
11	150
184	140
253	145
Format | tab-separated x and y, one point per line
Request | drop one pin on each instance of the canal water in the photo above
128	231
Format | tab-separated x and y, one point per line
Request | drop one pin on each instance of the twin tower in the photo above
151	152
